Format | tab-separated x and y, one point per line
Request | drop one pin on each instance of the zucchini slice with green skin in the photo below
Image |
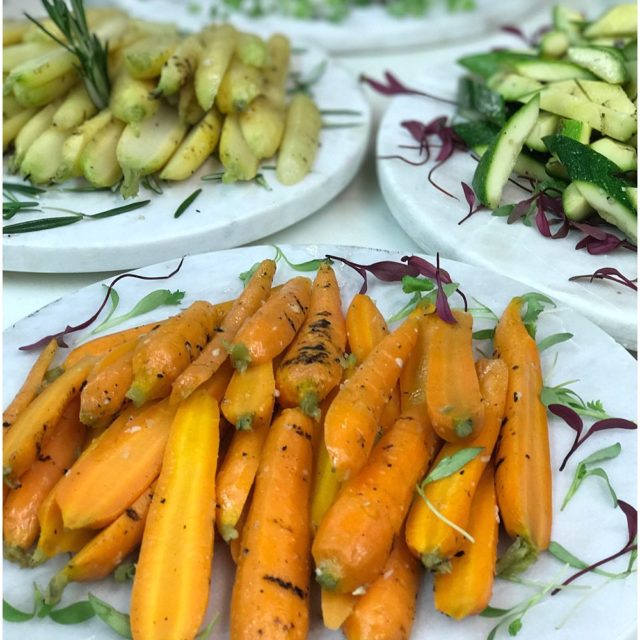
621	20
604	62
568	20
546	124
551	70
511	86
497	164
575	129
624	155
554	44
575	205
487	64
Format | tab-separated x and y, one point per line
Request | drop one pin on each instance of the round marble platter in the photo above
432	218
606	371
222	216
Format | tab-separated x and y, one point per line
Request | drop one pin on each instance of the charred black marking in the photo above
159	375
133	514
515	367
527	456
504	421
309	354
304	309
516	396
285	584
300	431
292	324
459	554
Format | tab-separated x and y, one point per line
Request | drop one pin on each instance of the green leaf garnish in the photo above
118	621
583	472
564	555
465	534
24	189
73	614
153	300
562	394
261	181
493	612
552	340
533	306
186	203
11	614
451	464
483	334
125	572
245	276
309	265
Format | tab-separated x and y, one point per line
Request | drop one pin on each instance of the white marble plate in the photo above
431	218
369	28
222	216
589	527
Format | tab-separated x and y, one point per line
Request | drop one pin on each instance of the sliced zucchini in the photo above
554	44
529	167
497	164
475	97
487	64
575	205
630	50
632	192
608	95
604	62
625	156
610	209
511	86
546	124
570	21
621	20
551	70
477	135
555	169
575	129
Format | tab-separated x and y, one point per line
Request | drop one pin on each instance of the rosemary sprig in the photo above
92	55
187	203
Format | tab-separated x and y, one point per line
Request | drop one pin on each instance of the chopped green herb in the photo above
562	394
118	621
552	340
187	203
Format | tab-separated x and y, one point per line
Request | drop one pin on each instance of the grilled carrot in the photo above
273	326
35	424
523	467
366	326
31	386
428	536
312	365
161	356
102	554
466	590
453	391
336	607
171	585
104	344
20	513
353	540
352	420
116	468
103	395
215	353
271	592
387	609
250	396
236	476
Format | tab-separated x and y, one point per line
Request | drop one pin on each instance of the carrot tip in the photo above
136	395
52	374
16	554
245	422
326	580
518	557
463	428
309	404
240	356
37	558
54	590
435	562
228	532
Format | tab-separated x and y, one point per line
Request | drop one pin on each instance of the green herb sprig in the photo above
93	56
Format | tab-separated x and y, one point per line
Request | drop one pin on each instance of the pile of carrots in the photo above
300	434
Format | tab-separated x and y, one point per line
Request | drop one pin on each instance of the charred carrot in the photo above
20	514
31	386
171	585
353	540
351	424
116	468
387	609
271	592
250	396
428	535
215	353
466	590
270	330
102	554
103	395
162	355
523	467
36	423
311	368
453	391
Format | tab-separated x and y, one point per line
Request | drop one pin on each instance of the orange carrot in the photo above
20	513
102	554
523	466
453	391
366	326
173	573
312	366
270	330
31	386
336	607
351	424
353	540
35	424
215	353
428	535
116	468
466	589
271	592
387	609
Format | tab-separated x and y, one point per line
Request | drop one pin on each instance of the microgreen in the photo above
565	556
553	339
92	55
573	420
309	265
583	472
24	189
449	465
152	183
73	614
186	203
631	516
11	614
393	87
113	618
60	335
563	394
533	304
125	572
474	204
245	276
153	300
609	273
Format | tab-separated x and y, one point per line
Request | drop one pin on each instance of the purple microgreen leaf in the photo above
470	197
442	303
574	421
394	87
608	273
632	520
520	210
426	269
60	335
356	267
610	423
